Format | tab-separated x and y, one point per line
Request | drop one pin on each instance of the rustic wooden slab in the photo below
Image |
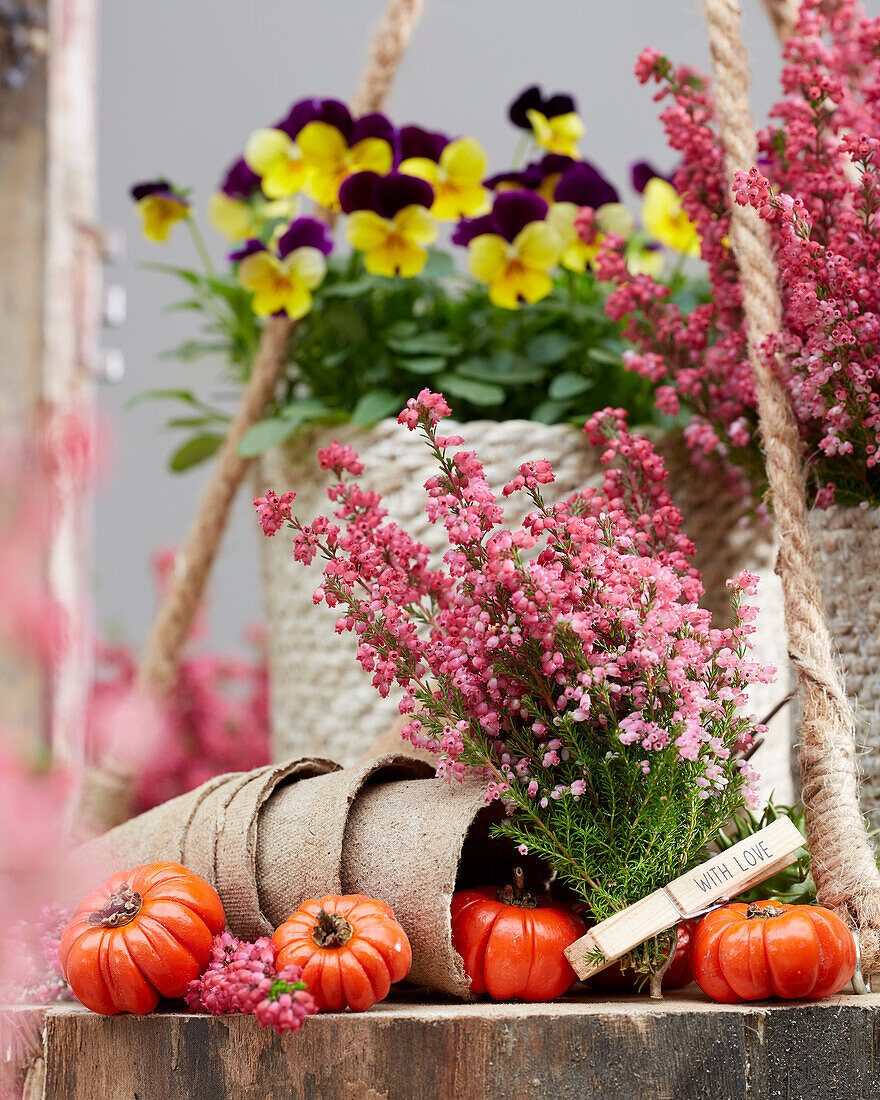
618	1049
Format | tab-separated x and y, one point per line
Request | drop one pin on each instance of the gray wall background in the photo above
182	84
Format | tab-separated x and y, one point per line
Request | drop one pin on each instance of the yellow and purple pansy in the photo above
282	280
160	208
334	145
239	209
641	171
578	186
389	221
666	220
553	120
512	249
454	169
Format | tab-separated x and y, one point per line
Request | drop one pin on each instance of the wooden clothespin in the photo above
724	876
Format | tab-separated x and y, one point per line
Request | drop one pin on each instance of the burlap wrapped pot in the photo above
270	838
322	701
847	547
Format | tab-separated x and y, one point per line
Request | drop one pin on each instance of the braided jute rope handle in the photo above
107	789
843	864
783	15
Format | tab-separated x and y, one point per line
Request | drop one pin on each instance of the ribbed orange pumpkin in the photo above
145	933
350	947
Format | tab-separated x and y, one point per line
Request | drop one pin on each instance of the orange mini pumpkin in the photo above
143	934
350	948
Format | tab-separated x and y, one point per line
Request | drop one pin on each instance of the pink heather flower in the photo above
818	189
273	511
338	458
572	642
287	1002
426	409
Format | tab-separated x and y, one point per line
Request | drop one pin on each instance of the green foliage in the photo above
792	885
370	342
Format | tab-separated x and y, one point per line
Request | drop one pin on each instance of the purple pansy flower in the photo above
240	182
642	172
534	174
532	99
512	211
386	195
584	185
413	141
335	113
155	187
248	248
305	233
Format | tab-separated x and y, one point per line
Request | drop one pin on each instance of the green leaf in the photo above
354	289
550	347
187	396
194	451
196	421
604	357
440	264
426	343
184	304
268	433
549	412
343	318
568	385
478	393
375	405
402	330
195	349
518	373
426	364
304	408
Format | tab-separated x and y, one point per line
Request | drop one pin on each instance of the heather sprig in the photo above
567	661
817	188
242	978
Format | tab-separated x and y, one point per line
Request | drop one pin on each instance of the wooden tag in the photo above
723	876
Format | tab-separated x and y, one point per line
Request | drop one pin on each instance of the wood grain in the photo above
618	1049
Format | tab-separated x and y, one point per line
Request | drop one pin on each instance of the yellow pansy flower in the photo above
517	270
559	134
456	178
392	246
612	217
388	220
238	219
284	279
160	208
278	161
664	219
282	284
331	160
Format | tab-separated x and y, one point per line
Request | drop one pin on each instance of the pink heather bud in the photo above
585	224
273	511
337	457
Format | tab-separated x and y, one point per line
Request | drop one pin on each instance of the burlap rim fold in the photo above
235	840
316	815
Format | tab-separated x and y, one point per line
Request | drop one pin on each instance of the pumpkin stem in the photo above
332	930
120	908
755	910
516	894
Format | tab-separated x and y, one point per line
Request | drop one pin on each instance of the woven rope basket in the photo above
323	702
847	544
